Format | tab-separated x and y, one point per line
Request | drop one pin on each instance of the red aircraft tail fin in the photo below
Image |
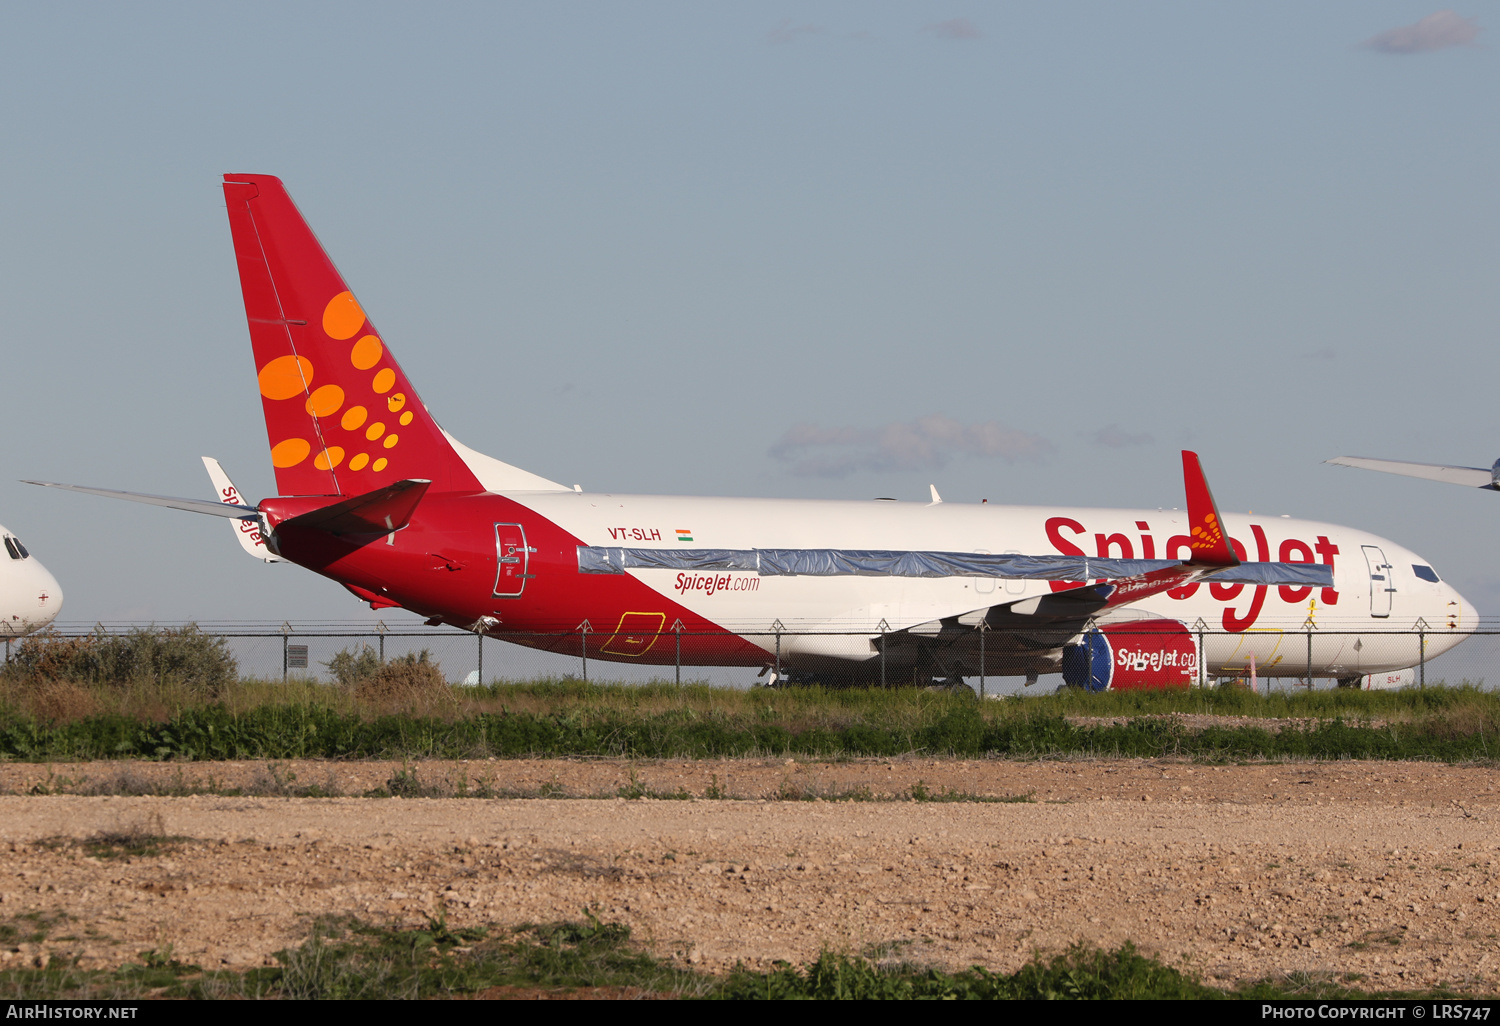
341	415
1210	545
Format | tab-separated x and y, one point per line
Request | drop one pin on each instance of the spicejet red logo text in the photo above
1061	532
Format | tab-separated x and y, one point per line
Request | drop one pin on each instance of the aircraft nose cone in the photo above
1458	615
49	598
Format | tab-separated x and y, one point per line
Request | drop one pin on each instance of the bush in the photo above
349	668
187	658
404	677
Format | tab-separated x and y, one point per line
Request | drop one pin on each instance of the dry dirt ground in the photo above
1387	870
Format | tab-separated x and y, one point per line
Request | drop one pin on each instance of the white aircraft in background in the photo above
30	598
1469	477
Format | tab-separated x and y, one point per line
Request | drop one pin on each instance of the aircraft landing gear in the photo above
953	686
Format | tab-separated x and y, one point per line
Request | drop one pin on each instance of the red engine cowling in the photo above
1133	654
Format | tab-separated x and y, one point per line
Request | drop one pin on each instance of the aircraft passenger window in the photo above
21	549
1426	573
10	546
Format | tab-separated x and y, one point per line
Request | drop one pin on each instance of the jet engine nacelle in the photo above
1134	654
1406	678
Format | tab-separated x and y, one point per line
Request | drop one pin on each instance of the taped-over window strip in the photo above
899	563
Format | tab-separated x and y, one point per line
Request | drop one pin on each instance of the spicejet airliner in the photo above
375	495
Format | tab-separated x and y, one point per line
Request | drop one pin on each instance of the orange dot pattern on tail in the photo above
343	407
1207	535
344	319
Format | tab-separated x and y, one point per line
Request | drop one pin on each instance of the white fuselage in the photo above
30	597
1363	625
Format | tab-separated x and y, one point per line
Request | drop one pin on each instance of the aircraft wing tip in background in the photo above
1470	477
218	509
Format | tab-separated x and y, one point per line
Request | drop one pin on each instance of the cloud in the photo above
786	32
1434	32
955	28
926	443
1115	437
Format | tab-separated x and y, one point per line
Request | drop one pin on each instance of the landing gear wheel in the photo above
953	686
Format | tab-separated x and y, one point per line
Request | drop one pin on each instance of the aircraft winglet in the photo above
1206	536
250	534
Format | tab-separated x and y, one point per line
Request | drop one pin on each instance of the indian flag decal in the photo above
684	535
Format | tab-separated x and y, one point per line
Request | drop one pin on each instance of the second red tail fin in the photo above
341	415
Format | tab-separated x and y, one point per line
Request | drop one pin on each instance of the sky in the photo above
1024	252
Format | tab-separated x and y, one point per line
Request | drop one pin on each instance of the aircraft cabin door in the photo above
514	558
1014	585
983	585
1381	585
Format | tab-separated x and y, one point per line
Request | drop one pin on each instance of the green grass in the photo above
575	719
146	838
920	792
30	927
346	959
571	718
1081	973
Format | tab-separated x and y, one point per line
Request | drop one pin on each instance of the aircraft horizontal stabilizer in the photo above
1471	477
213	509
379	512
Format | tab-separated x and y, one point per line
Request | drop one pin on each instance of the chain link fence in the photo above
992	662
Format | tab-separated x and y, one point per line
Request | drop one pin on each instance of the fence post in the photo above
1308	623
984	626
677	630
778	628
480	672
1201	627
7	650
1421	628
380	629
286	636
583	630
1088	656
883	628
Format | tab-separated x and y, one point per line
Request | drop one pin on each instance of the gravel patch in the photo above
1388	870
